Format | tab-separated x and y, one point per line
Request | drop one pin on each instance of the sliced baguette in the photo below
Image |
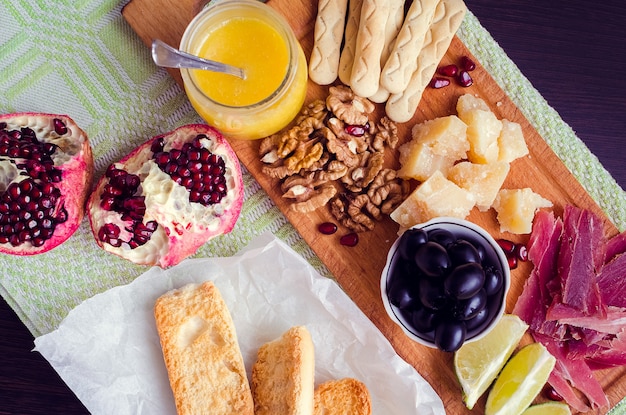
345	396
283	375
201	352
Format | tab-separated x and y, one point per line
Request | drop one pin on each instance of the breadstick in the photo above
392	28
402	61
369	45
329	26
352	29
448	17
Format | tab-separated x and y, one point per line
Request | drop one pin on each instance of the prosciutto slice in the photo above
612	281
581	255
574	301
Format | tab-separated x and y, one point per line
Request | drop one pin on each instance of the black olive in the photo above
461	252
493	280
432	259
442	236
478	320
469	308
450	335
432	294
464	281
423	320
410	240
402	293
479	244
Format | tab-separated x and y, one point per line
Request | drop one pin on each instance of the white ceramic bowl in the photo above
492	254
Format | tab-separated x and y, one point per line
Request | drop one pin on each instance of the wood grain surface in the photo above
358	269
538	36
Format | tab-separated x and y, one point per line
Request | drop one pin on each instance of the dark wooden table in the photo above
573	52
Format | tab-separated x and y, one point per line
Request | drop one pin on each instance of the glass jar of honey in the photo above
253	36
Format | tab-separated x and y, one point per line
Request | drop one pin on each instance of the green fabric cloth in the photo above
81	58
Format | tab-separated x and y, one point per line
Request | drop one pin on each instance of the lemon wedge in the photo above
478	363
520	381
548	408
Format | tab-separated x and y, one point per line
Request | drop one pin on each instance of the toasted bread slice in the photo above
345	396
283	375
201	352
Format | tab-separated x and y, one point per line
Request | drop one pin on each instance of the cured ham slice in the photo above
574	301
580	256
543	249
612	281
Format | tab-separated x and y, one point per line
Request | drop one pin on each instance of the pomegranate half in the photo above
169	196
46	170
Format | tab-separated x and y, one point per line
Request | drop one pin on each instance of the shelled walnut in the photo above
335	153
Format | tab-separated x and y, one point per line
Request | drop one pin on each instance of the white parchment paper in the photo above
107	349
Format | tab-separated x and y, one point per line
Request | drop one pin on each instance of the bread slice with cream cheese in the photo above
201	352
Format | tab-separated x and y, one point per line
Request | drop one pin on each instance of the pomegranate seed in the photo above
111	229
197	141
175	154
439	82
59	126
14	191
61	216
552	394
355	130
467	64
49	148
48	189
23	200
204	155
110	190
141	240
521	252
152	225
221	188
170	168
114	242
37	241
512	260
184	172
194	196
465	79
132	182
13	152
107	203
186	182
507	246
327	228
157	146
350	239
193	155
448	70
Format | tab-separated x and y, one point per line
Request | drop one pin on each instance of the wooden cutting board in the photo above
358	269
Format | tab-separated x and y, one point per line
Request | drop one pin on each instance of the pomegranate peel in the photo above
46	171
168	197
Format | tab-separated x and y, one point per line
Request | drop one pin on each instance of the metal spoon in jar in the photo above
166	56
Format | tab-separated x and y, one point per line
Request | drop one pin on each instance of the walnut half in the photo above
335	153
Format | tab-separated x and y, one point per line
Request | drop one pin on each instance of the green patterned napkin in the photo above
82	59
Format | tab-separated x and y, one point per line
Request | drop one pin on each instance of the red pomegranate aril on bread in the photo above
46	169
168	197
